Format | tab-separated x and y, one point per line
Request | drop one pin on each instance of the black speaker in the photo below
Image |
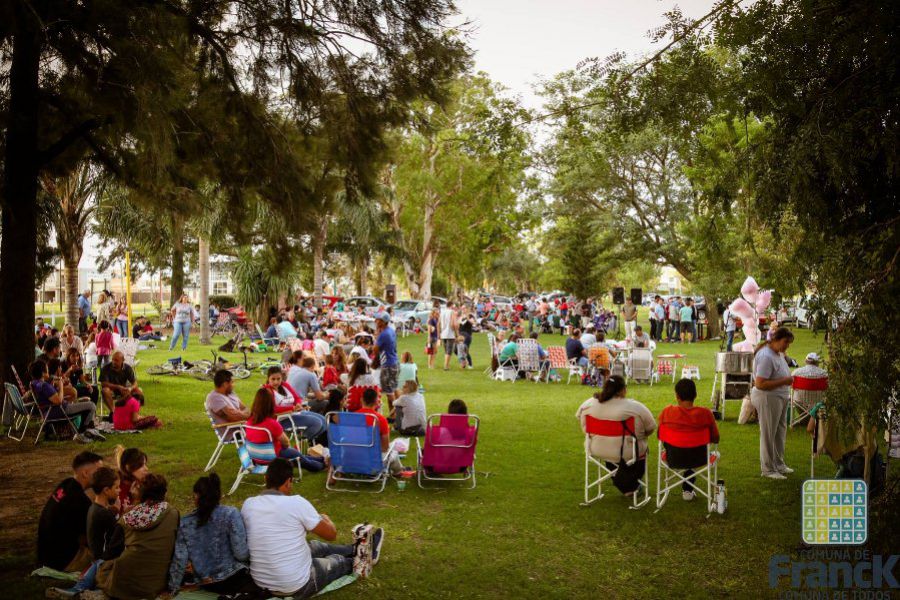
618	295
637	295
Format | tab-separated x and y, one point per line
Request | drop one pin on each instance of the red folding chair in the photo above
805	393
706	469
620	430
448	453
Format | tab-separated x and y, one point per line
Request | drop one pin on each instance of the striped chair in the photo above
255	456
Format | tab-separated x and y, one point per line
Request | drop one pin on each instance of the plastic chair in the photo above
706	470
448	453
354	442
620	430
255	456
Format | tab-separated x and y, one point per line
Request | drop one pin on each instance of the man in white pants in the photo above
629	315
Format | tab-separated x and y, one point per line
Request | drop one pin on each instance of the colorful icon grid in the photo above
835	511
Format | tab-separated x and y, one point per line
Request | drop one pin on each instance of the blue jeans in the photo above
88	580
693	331
307	462
122	327
583	362
313	422
729	341
183	330
329	562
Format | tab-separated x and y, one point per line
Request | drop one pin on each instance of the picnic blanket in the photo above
188	594
107	428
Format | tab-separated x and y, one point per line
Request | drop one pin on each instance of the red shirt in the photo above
123	416
380	418
258	437
695	418
330	376
104	343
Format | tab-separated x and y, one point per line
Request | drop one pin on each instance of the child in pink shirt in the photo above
126	416
104	343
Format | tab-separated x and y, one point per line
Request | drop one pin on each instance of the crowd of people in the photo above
115	526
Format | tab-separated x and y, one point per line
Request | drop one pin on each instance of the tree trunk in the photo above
361	274
71	275
203	265
18	244
319	262
177	284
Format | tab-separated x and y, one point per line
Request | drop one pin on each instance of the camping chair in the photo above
556	360
225	436
620	430
129	347
448	453
354	442
640	364
269	342
492	342
600	361
574	369
21	408
706	468
53	415
805	393
529	357
355	394
255	456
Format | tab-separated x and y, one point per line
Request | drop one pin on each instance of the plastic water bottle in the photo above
721	500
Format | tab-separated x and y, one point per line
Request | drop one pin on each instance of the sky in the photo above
519	42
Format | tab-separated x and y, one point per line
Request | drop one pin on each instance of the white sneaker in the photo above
688	496
81	438
785	470
774	475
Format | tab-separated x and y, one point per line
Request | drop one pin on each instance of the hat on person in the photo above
813	357
383	316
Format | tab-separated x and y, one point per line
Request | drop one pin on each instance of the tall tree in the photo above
72	200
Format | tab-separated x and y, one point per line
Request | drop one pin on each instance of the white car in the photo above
369	304
411	311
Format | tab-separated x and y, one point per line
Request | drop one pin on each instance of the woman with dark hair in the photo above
213	540
611	404
359	373
79	378
289	405
771	396
262	416
132	463
150	526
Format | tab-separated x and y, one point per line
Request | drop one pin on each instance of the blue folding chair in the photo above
21	409
255	456
355	447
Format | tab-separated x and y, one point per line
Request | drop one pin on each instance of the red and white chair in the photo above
805	393
622	431
669	473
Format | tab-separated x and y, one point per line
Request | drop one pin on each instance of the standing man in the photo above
687	315
674	320
386	350
695	318
730	327
660	312
84	310
448	326
654	323
629	315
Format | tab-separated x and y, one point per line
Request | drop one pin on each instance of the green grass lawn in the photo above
521	533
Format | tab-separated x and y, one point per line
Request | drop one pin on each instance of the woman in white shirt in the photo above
610	404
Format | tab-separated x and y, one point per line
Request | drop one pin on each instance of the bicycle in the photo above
206	370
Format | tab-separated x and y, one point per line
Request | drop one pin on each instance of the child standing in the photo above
462	352
409	410
104	343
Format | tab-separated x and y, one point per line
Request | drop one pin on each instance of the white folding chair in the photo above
224	436
529	357
669	473
619	430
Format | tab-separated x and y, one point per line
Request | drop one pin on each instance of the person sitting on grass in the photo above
410	415
686	417
262	415
282	559
105	538
289	405
126	416
409	371
142	570
223	404
118	381
213	540
62	528
610	404
132	464
48	393
388	454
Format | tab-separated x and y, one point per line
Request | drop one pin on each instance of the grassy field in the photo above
521	533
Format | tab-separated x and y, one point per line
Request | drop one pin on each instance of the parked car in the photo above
503	302
412	311
369	304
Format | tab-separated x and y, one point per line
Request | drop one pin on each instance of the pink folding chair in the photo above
448	453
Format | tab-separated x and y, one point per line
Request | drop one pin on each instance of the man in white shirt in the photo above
588	338
321	346
281	559
448	327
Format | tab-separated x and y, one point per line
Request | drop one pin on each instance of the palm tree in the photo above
71	201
